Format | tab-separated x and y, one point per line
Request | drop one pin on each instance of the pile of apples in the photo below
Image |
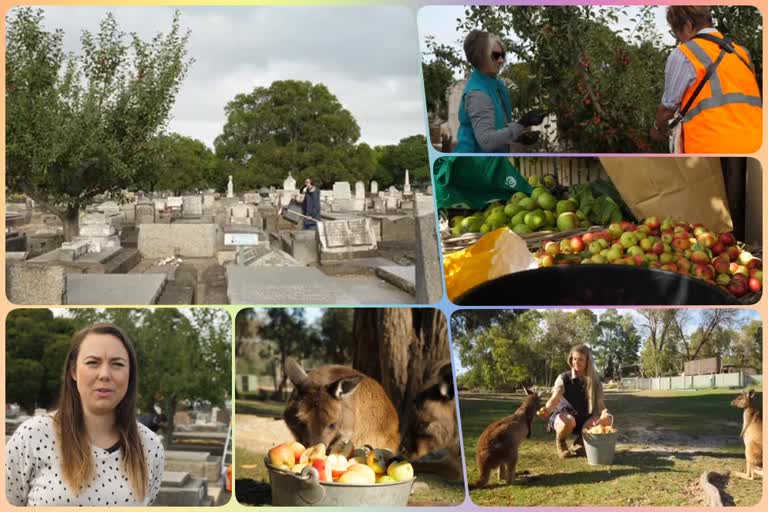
345	465
602	429
668	244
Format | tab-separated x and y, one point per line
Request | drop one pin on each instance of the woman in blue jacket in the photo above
485	111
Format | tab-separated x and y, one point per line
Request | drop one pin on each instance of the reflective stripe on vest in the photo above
718	99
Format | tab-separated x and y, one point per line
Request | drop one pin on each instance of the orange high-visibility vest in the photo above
727	115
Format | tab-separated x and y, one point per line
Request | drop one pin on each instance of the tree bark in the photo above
399	347
70	219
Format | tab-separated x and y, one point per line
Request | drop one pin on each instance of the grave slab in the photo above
404	277
124	289
283	285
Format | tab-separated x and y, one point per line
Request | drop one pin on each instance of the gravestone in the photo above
341	190
289	183
251	198
241	214
159	203
145	213
359	190
192	206
374	187
109	208
391	202
347	235
97	230
209	201
70	251
230	188
174	203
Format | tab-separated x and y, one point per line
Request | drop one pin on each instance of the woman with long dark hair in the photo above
91	451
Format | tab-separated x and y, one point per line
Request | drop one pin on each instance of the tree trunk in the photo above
70	219
169	410
279	390
399	347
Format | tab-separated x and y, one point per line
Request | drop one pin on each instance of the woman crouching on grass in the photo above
577	402
91	451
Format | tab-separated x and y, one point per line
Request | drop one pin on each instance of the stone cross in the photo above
230	188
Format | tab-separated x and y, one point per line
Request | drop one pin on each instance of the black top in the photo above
576	394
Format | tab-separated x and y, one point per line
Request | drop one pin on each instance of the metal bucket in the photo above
600	448
306	489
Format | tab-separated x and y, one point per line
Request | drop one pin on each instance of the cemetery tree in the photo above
291	126
77	126
410	153
287	329
400	348
183	164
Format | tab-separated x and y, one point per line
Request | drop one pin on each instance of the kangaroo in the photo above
337	403
499	444
752	432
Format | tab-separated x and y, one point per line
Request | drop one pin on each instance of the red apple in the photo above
721	264
738	287
652	222
587	238
658	248
717	248
699	257
552	248
577	244
681	244
323	469
755	263
627	226
671	267
733	252
707	239
755	285
727	239
683	263
546	261
703	271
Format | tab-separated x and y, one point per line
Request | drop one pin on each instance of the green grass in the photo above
266	408
666	441
252	484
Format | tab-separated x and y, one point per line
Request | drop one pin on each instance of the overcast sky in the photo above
367	56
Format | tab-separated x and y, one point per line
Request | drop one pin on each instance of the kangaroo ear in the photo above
527	391
751	393
343	388
296	373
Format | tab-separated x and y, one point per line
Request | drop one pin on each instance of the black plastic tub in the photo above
595	285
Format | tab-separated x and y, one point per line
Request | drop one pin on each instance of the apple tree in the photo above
77	125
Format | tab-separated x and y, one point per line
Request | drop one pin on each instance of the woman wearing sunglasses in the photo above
485	111
91	451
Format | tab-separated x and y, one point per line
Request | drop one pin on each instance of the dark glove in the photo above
528	138
533	118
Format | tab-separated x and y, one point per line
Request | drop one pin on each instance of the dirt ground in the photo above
259	434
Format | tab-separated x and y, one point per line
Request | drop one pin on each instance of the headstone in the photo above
359	190
174	203
230	188
97	230
209	200
241	214
252	198
145	213
193	240
289	183
347	235
160	204
192	206
374	187
341	190
392	203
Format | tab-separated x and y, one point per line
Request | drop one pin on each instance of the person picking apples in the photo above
577	402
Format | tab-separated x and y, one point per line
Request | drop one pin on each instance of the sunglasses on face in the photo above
498	55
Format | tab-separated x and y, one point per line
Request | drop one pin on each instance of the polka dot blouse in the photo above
33	474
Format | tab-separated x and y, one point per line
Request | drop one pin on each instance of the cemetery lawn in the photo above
666	441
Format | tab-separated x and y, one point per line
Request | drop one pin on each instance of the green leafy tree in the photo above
287	329
745	24
290	126
336	335
603	84
77	126
24	383
410	153
438	77
616	344
183	164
